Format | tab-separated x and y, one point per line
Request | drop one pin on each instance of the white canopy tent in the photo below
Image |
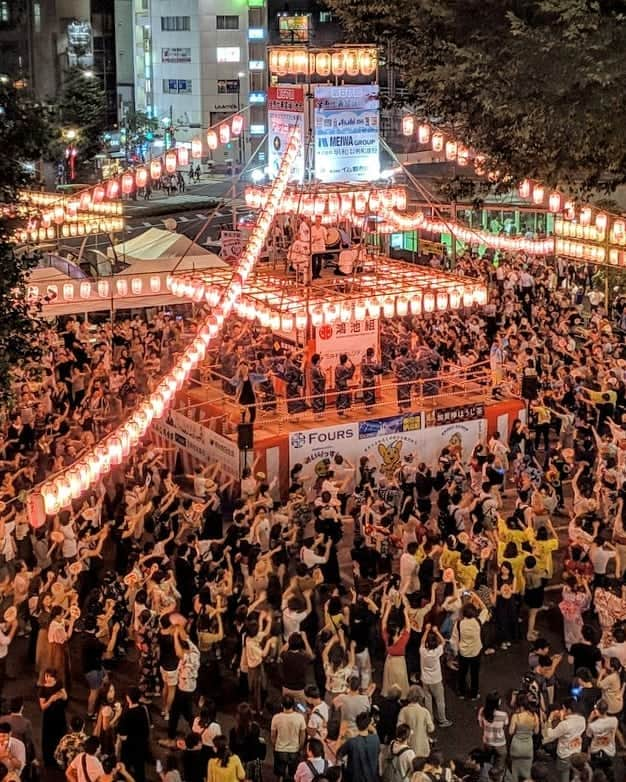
157	250
151	256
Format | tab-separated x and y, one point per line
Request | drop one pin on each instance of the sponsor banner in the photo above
450	415
285	110
310	448
352	338
231	245
463	436
407	422
385	441
347	132
200	441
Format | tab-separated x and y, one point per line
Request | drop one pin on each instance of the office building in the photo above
40	39
197	62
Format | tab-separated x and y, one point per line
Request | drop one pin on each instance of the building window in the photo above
175	54
175	24
228	54
227	86
227	22
256	65
256	97
256	34
177	86
325	17
5	15
37	17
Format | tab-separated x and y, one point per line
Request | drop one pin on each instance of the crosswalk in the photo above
161	222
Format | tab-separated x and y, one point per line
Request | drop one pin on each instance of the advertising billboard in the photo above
285	109
346	132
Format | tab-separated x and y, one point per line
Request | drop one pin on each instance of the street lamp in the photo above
70	151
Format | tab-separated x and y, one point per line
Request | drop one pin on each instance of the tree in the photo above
82	108
24	132
536	85
140	128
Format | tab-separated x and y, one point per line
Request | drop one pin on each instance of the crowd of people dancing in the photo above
227	633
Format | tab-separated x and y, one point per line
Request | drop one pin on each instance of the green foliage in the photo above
138	124
536	85
82	107
24	132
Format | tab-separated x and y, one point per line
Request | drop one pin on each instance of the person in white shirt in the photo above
409	581
314	764
311	557
12	750
565	726
86	767
601	729
431	651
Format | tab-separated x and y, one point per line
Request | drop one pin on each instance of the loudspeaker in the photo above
245	437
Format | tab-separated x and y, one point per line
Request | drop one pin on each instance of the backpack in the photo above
315	774
391	768
322	731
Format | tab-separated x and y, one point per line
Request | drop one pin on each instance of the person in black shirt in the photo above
362	625
586	654
134	735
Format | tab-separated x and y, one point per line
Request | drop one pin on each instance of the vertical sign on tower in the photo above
346	132
285	109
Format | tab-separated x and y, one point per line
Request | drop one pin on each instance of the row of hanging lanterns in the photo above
399	222
102	289
41	234
552	200
58	492
353	61
98	198
343	203
388	306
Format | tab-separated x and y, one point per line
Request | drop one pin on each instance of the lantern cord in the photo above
64	197
452	227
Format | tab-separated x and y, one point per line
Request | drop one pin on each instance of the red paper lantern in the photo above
98	194
170	161
155	169
128	183
113	189
211	139
182	155
196	148
224	133
85	201
141	177
237	125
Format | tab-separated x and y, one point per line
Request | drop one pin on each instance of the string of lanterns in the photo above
353	61
93	199
338	204
397	222
73	229
58	492
541	196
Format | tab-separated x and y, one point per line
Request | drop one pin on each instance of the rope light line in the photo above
65	207
59	491
403	222
549	199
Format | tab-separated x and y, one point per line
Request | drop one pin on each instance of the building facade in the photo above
40	39
196	62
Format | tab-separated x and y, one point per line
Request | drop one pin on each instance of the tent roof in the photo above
164	249
47	274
